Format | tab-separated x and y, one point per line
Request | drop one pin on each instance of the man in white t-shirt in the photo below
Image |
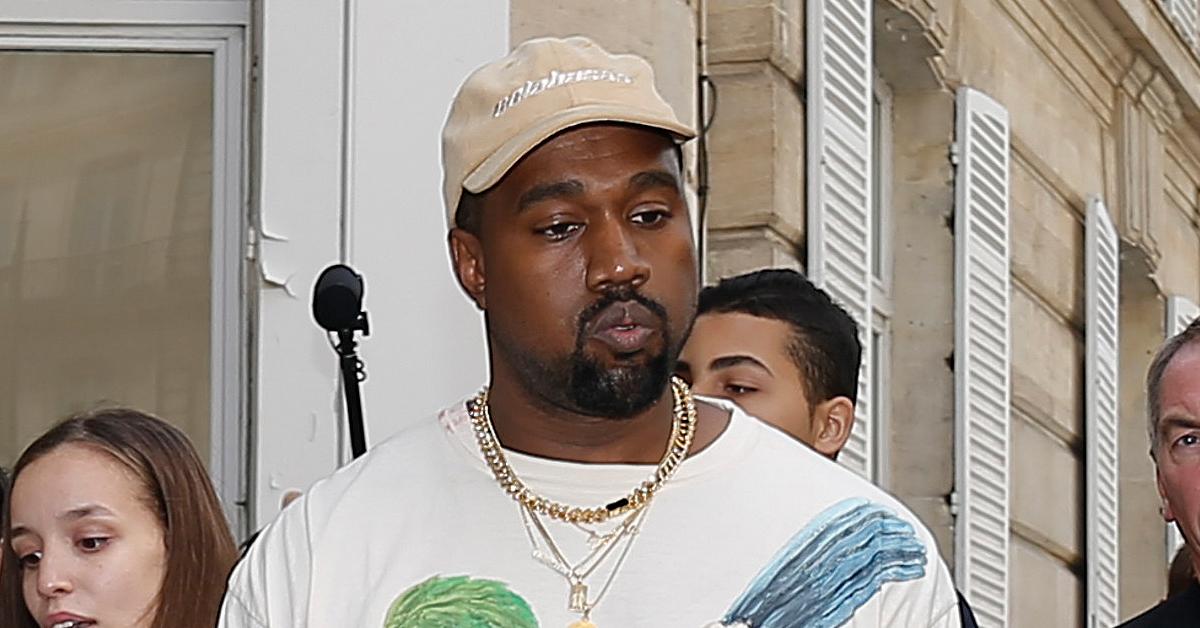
584	486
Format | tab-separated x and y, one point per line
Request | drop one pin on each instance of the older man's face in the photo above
1178	446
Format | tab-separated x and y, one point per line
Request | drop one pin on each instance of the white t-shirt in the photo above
755	530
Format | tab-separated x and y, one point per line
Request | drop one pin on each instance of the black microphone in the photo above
337	300
337	308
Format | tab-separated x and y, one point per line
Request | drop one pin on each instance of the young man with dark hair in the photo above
782	350
779	347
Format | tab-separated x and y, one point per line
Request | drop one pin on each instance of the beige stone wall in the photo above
920	438
1143	548
1059	68
756	207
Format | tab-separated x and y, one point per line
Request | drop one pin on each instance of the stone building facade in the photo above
1102	99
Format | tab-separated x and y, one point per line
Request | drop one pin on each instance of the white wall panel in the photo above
350	169
426	348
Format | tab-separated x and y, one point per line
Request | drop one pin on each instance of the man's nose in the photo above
614	258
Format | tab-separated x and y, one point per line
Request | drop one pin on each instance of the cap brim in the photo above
499	162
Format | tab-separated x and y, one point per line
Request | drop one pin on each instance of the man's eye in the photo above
735	389
559	231
93	543
30	560
650	217
1188	440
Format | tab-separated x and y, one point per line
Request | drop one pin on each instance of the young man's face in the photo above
746	359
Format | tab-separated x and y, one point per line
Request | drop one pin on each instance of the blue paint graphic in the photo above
831	568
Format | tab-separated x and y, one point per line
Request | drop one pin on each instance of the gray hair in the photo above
1155	376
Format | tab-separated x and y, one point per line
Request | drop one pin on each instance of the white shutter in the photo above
839	183
981	355
1185	14
1180	313
1102	375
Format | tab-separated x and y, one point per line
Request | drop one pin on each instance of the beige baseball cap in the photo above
506	108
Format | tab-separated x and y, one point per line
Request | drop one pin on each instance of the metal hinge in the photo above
954	503
251	244
954	151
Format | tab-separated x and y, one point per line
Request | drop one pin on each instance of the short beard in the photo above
618	392
580	383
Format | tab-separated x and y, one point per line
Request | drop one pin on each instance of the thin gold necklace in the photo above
683	431
577	575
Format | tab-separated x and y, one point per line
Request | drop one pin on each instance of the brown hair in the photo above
1158	368
200	550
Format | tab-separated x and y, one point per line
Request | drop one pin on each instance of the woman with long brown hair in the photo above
113	522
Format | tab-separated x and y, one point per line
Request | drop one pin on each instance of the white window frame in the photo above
882	187
218	28
881	285
881	392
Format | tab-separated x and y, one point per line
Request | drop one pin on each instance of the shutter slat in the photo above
982	356
1102	279
840	78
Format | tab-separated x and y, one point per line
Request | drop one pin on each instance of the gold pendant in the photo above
583	623
577	602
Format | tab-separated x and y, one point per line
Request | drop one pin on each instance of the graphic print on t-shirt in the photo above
462	602
831	568
819	579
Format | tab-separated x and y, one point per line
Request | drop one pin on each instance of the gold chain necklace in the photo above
683	430
576	576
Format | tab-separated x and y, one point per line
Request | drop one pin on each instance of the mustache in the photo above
619	295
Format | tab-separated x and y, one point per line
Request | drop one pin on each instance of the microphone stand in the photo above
352	375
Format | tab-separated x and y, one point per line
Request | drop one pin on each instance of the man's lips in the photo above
625	339
626	327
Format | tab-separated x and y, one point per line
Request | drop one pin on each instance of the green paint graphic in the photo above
460	602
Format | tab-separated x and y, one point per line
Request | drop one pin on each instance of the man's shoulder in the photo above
1180	610
400	462
778	467
825	516
798	466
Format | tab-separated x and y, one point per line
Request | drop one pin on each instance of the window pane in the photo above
105	232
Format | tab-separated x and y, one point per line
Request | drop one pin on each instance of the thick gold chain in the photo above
683	430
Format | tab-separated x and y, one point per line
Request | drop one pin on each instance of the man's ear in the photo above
1167	513
466	254
833	420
